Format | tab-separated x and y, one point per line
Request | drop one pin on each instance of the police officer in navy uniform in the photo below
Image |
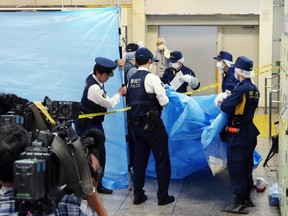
242	134
226	66
178	72
146	95
95	100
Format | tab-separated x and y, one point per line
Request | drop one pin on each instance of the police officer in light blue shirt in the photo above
226	66
241	134
146	95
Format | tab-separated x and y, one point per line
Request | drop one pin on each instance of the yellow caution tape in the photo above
90	115
257	69
45	112
214	85
211	86
272	69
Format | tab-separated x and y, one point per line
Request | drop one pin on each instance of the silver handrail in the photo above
271	86
270	108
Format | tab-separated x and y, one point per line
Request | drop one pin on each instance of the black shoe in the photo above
167	200
249	203
238	199
139	199
236	208
103	190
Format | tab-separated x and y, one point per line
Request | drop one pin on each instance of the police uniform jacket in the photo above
145	93
94	98
241	106
170	73
229	81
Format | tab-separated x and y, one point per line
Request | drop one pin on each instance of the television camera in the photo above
57	161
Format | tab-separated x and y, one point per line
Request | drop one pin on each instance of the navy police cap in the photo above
106	65
244	63
224	55
132	47
175	56
144	53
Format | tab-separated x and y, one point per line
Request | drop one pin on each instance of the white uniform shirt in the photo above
98	96
153	84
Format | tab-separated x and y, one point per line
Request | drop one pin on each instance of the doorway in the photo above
198	45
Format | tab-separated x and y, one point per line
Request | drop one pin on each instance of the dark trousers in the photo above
240	165
131	146
157	141
82	127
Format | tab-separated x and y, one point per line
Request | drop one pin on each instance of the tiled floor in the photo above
199	194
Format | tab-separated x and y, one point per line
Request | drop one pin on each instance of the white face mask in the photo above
220	66
175	65
237	73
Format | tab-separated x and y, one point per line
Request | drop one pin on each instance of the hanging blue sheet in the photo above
51	53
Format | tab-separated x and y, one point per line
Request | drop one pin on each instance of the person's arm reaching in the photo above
94	200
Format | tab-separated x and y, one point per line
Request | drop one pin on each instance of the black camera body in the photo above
21	114
57	161
12	119
38	186
64	110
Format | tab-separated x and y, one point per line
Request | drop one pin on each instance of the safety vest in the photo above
88	106
137	97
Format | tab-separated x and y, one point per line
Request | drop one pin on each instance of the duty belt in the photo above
136	120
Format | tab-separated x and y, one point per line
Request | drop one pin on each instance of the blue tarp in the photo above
193	125
51	53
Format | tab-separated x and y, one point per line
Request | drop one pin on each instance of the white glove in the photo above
185	78
166	53
191	80
220	98
228	92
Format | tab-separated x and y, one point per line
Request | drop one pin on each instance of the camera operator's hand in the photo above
96	204
97	172
94	200
94	162
122	91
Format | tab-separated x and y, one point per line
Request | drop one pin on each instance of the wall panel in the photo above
202	7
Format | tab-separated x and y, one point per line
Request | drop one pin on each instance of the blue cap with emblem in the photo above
105	65
176	56
223	55
244	63
145	54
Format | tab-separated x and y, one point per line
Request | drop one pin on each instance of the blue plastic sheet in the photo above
193	125
51	54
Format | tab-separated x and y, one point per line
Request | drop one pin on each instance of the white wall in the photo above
64	2
198	45
241	40
283	123
202	7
